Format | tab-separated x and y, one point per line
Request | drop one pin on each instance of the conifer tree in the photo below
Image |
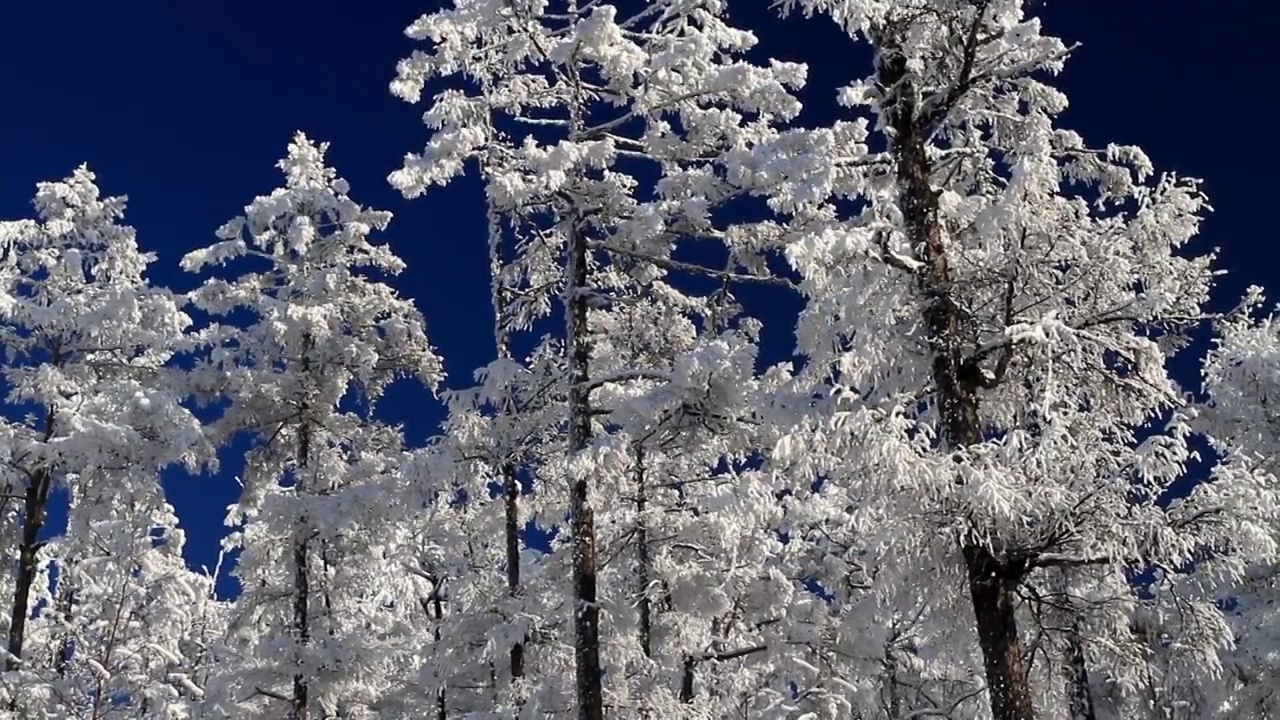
301	378
89	413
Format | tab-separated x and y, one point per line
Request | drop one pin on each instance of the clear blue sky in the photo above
185	107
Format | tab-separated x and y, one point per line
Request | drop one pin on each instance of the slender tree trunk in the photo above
689	665
644	570
301	626
301	585
510	481
511	491
326	597
891	684
991	581
66	601
582	520
35	505
34	509
434	606
643	559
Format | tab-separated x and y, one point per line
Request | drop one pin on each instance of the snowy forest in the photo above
978	489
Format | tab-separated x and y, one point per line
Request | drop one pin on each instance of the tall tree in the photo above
318	343
693	590
86	339
574	109
1242	381
1005	302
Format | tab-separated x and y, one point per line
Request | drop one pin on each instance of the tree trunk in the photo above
1079	695
511	492
686	680
326	596
434	606
991	581
891	686
643	559
35	506
35	503
991	586
510	482
644	569
301	584
581	514
301	628
66	649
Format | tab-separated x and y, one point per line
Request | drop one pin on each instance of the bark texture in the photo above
582	521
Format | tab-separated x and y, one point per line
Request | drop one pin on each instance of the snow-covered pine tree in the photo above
605	133
495	432
88	413
300	374
998	314
504	606
690	537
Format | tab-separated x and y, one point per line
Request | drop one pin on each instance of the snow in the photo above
966	496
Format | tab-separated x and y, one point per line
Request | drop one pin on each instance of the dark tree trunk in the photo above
34	509
582	520
644	569
991	581
1080	697
35	503
991	586
301	625
686	680
301	585
643	559
66	649
891	684
434	605
510	480
511	492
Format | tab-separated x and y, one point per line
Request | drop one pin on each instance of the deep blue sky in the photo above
185	107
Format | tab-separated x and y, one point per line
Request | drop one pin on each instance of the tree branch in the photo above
669	264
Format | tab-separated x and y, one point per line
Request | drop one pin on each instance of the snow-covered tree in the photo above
689	535
998	313
503	628
495	432
1242	380
90	413
978	494
317	343
130	629
604	136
